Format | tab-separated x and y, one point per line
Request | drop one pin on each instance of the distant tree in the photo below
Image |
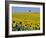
29	10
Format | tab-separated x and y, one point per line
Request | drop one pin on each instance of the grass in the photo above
25	21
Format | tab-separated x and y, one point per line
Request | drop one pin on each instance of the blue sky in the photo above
25	9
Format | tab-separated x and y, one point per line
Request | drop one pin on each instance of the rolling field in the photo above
25	21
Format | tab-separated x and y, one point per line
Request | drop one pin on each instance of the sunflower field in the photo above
25	21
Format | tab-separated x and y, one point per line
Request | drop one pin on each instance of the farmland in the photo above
25	21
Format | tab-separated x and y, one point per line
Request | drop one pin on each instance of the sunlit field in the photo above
25	21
